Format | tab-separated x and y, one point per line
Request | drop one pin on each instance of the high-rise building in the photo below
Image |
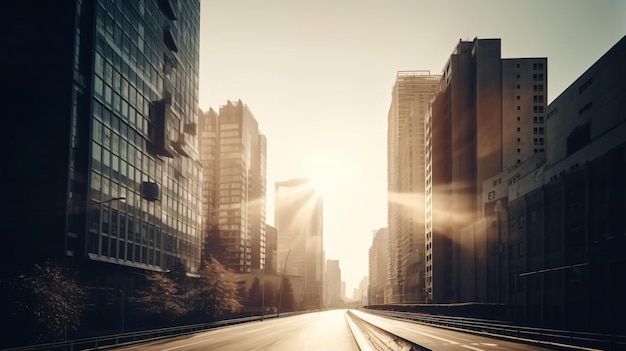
333	284
232	153
524	100
411	94
104	171
487	115
299	222
378	268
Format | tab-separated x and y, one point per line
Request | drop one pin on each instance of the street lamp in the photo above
120	198
282	282
263	293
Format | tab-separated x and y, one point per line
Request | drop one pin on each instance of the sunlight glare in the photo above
330	174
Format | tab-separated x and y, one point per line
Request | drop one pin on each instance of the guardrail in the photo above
108	341
381	339
563	339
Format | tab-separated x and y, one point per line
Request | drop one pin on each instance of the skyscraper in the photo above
479	122
411	94
232	153
299	219
103	120
377	259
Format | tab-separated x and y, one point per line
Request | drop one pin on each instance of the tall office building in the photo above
377	260
332	298
102	119
481	121
411	94
232	153
299	221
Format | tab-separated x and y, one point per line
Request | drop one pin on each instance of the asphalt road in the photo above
439	339
323	331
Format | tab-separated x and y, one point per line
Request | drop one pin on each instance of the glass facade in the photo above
144	182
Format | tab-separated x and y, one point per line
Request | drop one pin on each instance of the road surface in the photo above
317	331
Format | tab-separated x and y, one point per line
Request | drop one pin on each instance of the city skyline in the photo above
318	78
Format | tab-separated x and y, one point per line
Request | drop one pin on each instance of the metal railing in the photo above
564	339
124	339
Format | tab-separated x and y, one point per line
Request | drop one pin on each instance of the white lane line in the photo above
189	344
472	348
256	330
436	337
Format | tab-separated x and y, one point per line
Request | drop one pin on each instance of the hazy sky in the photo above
317	75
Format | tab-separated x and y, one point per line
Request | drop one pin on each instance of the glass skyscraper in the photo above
103	118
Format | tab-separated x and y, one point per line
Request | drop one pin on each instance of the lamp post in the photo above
263	293
119	198
282	282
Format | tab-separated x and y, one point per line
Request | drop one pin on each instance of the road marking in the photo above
436	337
472	348
193	343
256	330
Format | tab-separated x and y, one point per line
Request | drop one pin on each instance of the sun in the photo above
330	174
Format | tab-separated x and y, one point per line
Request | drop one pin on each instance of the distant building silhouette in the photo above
333	285
299	222
378	273
233	156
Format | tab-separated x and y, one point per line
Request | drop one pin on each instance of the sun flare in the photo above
329	174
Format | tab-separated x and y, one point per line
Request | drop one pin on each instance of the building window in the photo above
538	76
518	86
517	97
585	85
519	118
519	140
585	108
518	129
518	108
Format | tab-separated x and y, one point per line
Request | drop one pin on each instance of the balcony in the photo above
182	147
160	115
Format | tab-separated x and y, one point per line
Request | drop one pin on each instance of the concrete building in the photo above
563	238
233	154
332	298
102	113
478	123
299	222
271	250
378	273
411	94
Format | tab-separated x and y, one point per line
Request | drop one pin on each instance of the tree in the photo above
48	302
270	300
216	290
286	301
161	297
255	295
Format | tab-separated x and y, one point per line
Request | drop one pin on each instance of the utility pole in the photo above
282	281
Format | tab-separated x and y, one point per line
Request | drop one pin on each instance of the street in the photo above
327	330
